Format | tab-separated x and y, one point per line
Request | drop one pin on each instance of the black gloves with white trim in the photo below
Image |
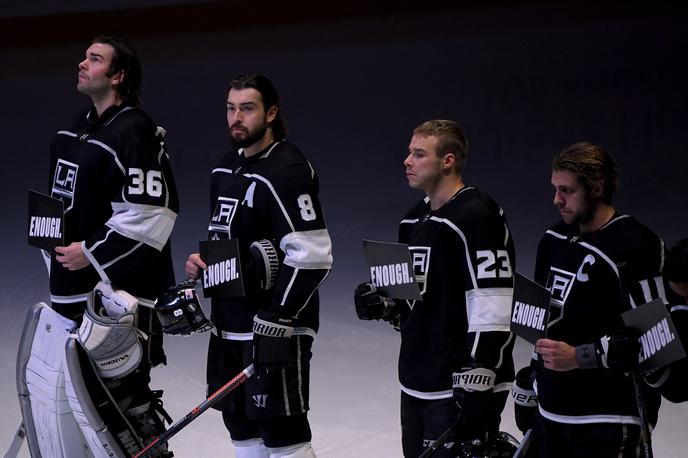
618	351
371	305
479	408
525	399
272	347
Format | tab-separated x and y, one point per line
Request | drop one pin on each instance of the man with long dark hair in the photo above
112	172
264	194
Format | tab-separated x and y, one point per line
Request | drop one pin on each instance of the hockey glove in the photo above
620	350
474	396
525	399
108	335
263	265
271	341
370	305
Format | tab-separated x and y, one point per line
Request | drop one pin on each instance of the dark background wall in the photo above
524	80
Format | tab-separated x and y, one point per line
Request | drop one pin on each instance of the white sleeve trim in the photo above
149	224
307	249
94	262
588	419
489	309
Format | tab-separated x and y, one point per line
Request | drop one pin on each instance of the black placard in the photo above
223	276
45	227
659	341
391	270
529	309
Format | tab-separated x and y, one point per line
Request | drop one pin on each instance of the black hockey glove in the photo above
475	398
525	399
370	305
262	266
621	350
271	341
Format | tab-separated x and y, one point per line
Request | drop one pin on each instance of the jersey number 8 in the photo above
306	206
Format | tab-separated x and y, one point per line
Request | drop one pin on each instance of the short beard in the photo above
250	139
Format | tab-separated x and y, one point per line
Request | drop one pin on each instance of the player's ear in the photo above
597	189
272	113
117	78
448	161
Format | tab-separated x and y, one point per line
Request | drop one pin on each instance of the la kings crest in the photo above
420	259
224	212
560	282
64	182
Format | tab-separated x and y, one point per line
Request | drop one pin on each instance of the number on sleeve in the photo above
306	206
493	266
153	182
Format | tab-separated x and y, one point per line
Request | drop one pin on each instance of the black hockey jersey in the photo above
113	174
463	257
593	278
272	195
672	380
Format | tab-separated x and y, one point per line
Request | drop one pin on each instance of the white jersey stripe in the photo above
111	151
308	249
69	299
489	309
149	224
587	419
288	288
469	264
274	193
432	395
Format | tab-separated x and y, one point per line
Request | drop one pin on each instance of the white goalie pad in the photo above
100	439
50	426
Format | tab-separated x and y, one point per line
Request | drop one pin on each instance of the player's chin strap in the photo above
196	411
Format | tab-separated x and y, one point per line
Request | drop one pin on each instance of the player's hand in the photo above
272	347
525	399
556	355
623	350
474	396
370	304
194	265
71	257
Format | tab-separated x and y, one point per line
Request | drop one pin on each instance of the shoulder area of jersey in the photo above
471	204
286	153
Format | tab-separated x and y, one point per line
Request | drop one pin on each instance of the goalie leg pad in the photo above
112	342
51	428
104	441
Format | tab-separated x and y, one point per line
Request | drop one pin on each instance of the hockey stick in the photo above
17	442
199	409
444	437
645	438
523	450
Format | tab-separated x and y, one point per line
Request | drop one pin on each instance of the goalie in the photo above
81	389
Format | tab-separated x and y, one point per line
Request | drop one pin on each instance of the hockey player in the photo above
455	360
597	263
265	195
112	172
672	381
